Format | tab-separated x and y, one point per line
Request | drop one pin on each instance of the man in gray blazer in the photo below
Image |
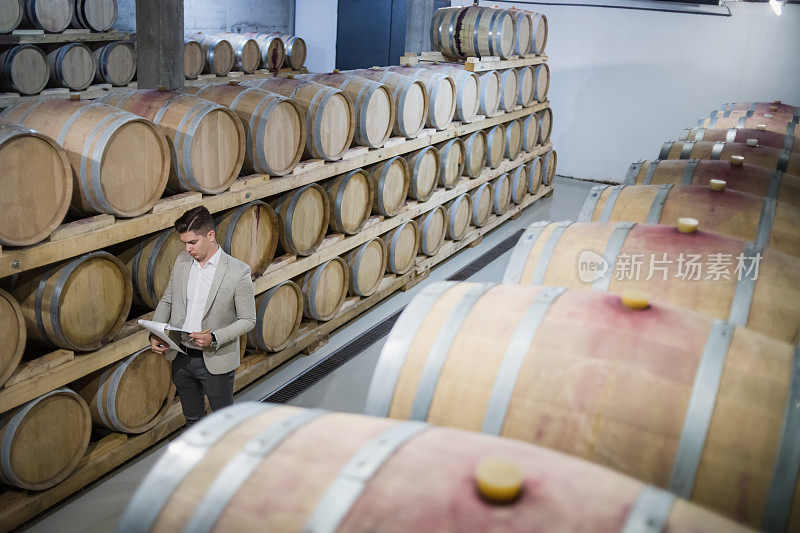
210	294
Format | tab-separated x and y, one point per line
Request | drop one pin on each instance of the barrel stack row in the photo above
55	16
655	335
208	53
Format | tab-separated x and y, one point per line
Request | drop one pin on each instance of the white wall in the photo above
315	22
623	81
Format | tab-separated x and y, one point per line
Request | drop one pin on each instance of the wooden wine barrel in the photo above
325	289
452	156
473	32
761	137
475	148
194	59
522	35
279	312
433	229
303	215
581	372
273	51
530	133
149	263
424	165
330	114
539	31
31	209
374	105
23	69
274	125
518	181
744	177
76	305
349	201
545	120
130	396
535	174
96	15
452	481
509	89
495	146
11	15
296	50
410	98
207	139
43	441
71	66
726	212
442	94
13	333
765	304
549	161
490	92
780	114
459	216
501	194
764	156
467	90
481	204
541	81
390	180
402	244
367	264
779	124
246	52
513	144
109	176
116	63
250	233
525	88
53	16
775	106
218	53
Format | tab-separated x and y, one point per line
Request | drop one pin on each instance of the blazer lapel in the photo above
182	277
218	275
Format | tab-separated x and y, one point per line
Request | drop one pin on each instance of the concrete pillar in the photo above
159	44
418	23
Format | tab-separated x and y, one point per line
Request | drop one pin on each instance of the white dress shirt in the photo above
197	289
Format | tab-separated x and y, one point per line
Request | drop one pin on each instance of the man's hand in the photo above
201	339
157	345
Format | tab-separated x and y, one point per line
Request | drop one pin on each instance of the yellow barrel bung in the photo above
633	299
717	185
688	225
498	479
737	160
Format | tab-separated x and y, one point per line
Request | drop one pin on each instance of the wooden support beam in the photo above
159	44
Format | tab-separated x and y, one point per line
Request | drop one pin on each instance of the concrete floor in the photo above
98	507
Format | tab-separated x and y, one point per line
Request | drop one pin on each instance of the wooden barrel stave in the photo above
775	106
273	51
14	334
391	181
279	312
116	63
130	396
433	230
410	97
535	174
220	57
43	441
149	263
764	156
11	15
303	215
475	149
518	181
53	16
423	165
763	137
495	145
508	89
442	93
514	141
467	89
96	15
30	210
24	69
766	309
250	233
246	52
726	212
530	133
785	124
541	82
296	51
526	86
402	244
453	161
545	121
501	194
459	216
747	178
330	114
325	289
482	203
72	66
549	161
274	125
208	140
194	59
539	32
350	201
367	263
599	380
522	35
108	175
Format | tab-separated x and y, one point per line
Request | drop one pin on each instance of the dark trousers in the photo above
193	382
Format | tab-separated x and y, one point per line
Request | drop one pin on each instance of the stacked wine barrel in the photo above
656	334
222	53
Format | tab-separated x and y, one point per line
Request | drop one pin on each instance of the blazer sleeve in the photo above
163	311
245	303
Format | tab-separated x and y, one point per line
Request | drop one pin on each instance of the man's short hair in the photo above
197	219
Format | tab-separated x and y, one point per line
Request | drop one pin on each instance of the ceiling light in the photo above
777	5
